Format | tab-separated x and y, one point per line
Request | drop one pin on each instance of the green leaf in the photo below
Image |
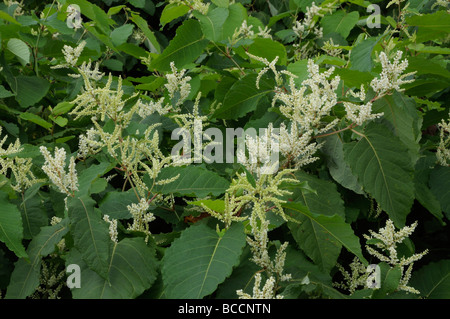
243	97
440	187
340	22
33	213
184	48
115	204
430	26
193	181
143	26
199	260
390	278
321	237
339	169
36	119
237	14
361	55
20	49
121	34
171	12
7	17
217	205
26	274
385	175
401	112
11	229
29	89
62	108
212	23
132	270
433	280
269	49
422	190
88	176
90	234
326	200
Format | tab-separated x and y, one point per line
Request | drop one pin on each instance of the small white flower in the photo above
391	77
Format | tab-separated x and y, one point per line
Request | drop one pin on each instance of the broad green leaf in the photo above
193	181
422	190
243	97
321	237
11	229
430	26
269	49
36	119
5	16
440	187
300	69
199	260
20	49
90	234
340	22
217	205
422	65
325	200
237	15
121	34
383	167
353	78
132	270
401	112
361	55
390	278
62	108
212	23
90	175
433	280
33	213
171	12
339	169
4	92
184	48
143	26
29	89
26	274
115	204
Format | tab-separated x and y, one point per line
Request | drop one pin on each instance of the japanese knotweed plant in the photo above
353	134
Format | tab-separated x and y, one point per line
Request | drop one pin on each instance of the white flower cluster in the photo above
141	218
391	76
54	167
443	149
194	5
387	240
178	88
260	250
245	32
267	292
309	108
262	152
20	167
177	82
360	113
296	146
71	55
357	277
113	234
303	28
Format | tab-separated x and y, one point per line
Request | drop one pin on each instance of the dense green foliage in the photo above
172	238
